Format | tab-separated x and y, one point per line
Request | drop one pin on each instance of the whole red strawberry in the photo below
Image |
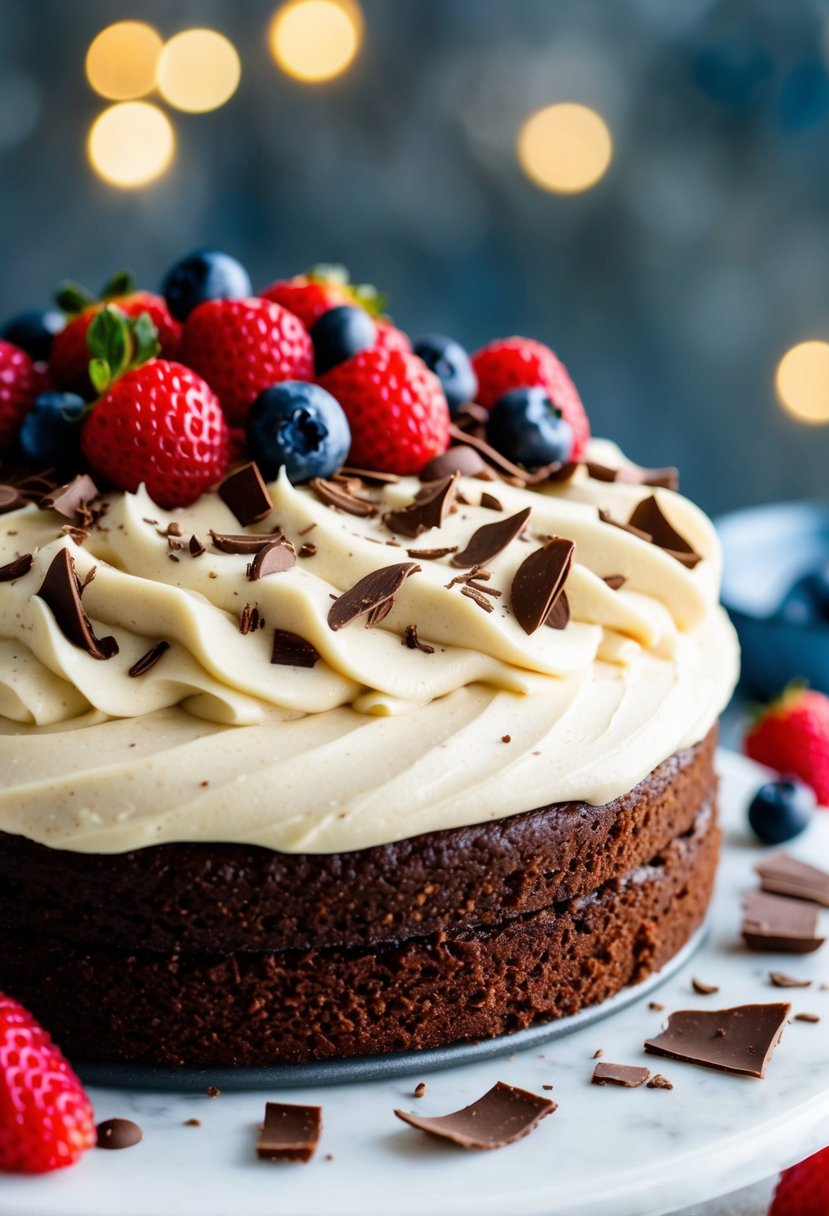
804	1189
306	297
390	337
46	1119
395	407
241	347
524	363
792	736
20	382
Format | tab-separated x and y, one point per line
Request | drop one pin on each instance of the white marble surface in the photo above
605	1152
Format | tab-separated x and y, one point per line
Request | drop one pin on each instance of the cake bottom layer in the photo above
295	1006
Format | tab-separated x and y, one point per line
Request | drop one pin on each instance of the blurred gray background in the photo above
671	289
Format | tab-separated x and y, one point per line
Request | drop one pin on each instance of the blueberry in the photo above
807	600
300	426
33	330
452	366
51	431
206	274
781	809
340	333
527	428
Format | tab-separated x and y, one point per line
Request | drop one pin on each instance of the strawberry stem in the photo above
118	343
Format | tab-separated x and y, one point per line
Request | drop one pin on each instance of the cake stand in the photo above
604	1152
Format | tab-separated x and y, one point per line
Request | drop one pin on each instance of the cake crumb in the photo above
506	738
328	1157
192	1122
420	1089
657	1081
213	1091
657	1008
546	1087
204	783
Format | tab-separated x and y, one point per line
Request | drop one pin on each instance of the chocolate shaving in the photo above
370	593
61	590
10	499
780	980
290	650
118	1133
539	581
559	615
290	1133
70	499
807	1017
275	558
413	641
246	494
462	459
648	517
477	596
195	546
630	1076
16	568
634	475
783	874
614	581
702	988
307	549
739	1040
491	539
247	542
512	473
503	1115
616	523
657	1081
148	660
429	509
432	554
249	619
490	502
369	475
771	922
334	495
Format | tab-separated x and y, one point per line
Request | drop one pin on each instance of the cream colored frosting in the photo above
377	741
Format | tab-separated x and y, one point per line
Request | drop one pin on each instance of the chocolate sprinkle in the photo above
739	1040
648	517
503	1115
630	1076
369	475
247	542
771	922
118	1133
539	581
704	989
275	558
373	592
413	641
246	494
807	1017
491	539
61	590
195	546
307	549
249	619
70	499
290	650
432	554
148	660
10	499
290	1133
783	874
780	980
429	509
635	475
16	568
614	581
337	496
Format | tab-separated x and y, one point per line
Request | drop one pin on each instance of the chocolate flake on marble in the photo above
703	989
782	874
374	591
648	517
290	1132
503	1115
772	922
539	581
780	980
291	650
148	661
630	1076
118	1133
738	1040
246	494
657	1081
807	1017
61	590
273	558
341	499
429	509
413	642
16	568
491	539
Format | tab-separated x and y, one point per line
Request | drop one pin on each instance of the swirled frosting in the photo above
378	740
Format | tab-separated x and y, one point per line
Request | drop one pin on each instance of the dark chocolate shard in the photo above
503	1115
16	568
429	509
274	558
772	922
635	475
489	455
61	590
290	650
250	619
10	499
148	661
539	581
781	980
477	595
374	591
290	1133
630	1076
459	459
372	476
70	499
246	494
559	615
739	1040
195	546
490	502
648	517
614	581
606	518
118	1133
807	1017
491	539
432	554
307	549
339	497
413	642
247	542
783	874
702	988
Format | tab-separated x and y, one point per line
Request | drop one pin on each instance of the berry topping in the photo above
803	1190
395	407
524	363
50	433
205	274
527	428
792	736
781	810
807	600
242	347
299	426
391	338
452	366
19	385
33	330
326	286
46	1119
339	334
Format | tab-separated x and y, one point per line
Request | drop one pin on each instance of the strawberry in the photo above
20	382
305	297
390	337
395	407
804	1189
241	347
69	357
46	1119
524	363
792	736
156	422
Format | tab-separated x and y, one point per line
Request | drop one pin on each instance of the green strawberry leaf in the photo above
145	340
100	376
368	297
118	343
328	272
71	298
121	284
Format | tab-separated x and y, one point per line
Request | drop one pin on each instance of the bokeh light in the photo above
121	60
198	70
802	382
131	144
565	148
315	40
